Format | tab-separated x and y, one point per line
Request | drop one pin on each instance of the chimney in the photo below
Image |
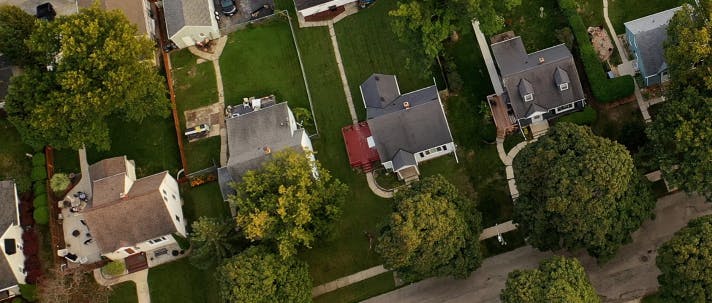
406	105
541	60
267	150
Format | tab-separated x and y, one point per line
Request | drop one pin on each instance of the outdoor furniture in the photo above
62	252
83	222
88	241
82	196
76	233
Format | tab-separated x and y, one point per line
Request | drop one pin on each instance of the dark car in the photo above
228	7
46	11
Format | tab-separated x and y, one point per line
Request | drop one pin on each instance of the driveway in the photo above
630	275
247	10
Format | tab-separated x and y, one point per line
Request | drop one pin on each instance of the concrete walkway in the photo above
140	278
348	280
612	31
342	73
376	189
221	100
507	159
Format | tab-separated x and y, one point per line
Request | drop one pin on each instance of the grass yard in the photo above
359	291
368	45
180	282
621	11
14	165
204	200
262	60
537	32
124	293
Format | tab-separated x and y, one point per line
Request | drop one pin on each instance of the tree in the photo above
686	264
424	25
433	231
290	201
258	275
681	132
59	183
213	240
92	65
557	280
75	287
579	190
15	26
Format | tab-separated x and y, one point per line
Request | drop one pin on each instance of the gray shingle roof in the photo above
403	159
303	4
516	65
379	90
181	13
412	130
650	34
8	217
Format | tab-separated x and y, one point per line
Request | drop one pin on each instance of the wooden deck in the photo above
501	118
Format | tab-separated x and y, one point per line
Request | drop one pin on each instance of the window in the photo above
173	196
427	152
164	192
422	154
563	86
528	97
564	108
444	147
154	241
177	218
439	148
165	198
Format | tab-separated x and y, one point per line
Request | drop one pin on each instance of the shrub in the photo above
39	173
585	117
38	160
28	292
40	201
39	188
41	215
604	89
114	268
59	183
183	242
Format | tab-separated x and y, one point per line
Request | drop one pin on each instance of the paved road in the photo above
628	276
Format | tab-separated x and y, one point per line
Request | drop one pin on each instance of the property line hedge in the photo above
604	90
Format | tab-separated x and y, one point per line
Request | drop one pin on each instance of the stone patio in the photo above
212	115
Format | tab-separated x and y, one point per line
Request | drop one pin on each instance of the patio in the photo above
211	115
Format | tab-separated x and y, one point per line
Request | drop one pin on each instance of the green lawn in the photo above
537	32
124	293
204	200
180	282
13	162
360	291
368	45
621	11
262	60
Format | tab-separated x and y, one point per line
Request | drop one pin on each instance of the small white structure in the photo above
320	10
190	22
12	261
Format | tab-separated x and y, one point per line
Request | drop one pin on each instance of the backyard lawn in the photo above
13	162
124	293
537	32
621	11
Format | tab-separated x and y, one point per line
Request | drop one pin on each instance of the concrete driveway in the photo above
63	7
630	275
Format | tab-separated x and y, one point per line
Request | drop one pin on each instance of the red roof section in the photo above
360	155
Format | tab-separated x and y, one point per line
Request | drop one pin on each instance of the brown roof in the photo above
141	215
133	9
108	189
107	168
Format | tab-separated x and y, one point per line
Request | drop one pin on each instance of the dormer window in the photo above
561	77
563	86
528	97
526	90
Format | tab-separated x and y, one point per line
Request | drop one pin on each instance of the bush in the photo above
604	89
39	189
40	201
39	173
38	160
183	242
41	215
28	292
585	117
59	183
114	268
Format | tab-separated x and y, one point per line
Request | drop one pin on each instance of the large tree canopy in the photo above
258	275
15	26
579	190
681	132
686	264
433	231
213	240
92	65
291	201
425	24
557	280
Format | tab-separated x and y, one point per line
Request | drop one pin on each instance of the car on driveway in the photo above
228	7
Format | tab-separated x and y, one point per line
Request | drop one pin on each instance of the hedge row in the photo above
604	89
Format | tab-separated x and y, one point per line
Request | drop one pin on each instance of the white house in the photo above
190	22
406	129
12	261
132	217
320	10
255	130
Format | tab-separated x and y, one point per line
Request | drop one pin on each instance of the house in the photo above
321	10
255	130
138	12
538	86
406	129
12	261
646	37
129	217
190	22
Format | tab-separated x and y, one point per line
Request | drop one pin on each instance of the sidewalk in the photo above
140	278
342	73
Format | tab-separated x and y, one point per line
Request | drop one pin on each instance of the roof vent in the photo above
541	60
406	105
377	78
267	150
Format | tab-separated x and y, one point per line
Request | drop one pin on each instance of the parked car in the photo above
45	11
228	7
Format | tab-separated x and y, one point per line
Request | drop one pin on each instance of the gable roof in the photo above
181	13
108	167
397	130
8	217
140	216
541	78
650	34
134	10
379	90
